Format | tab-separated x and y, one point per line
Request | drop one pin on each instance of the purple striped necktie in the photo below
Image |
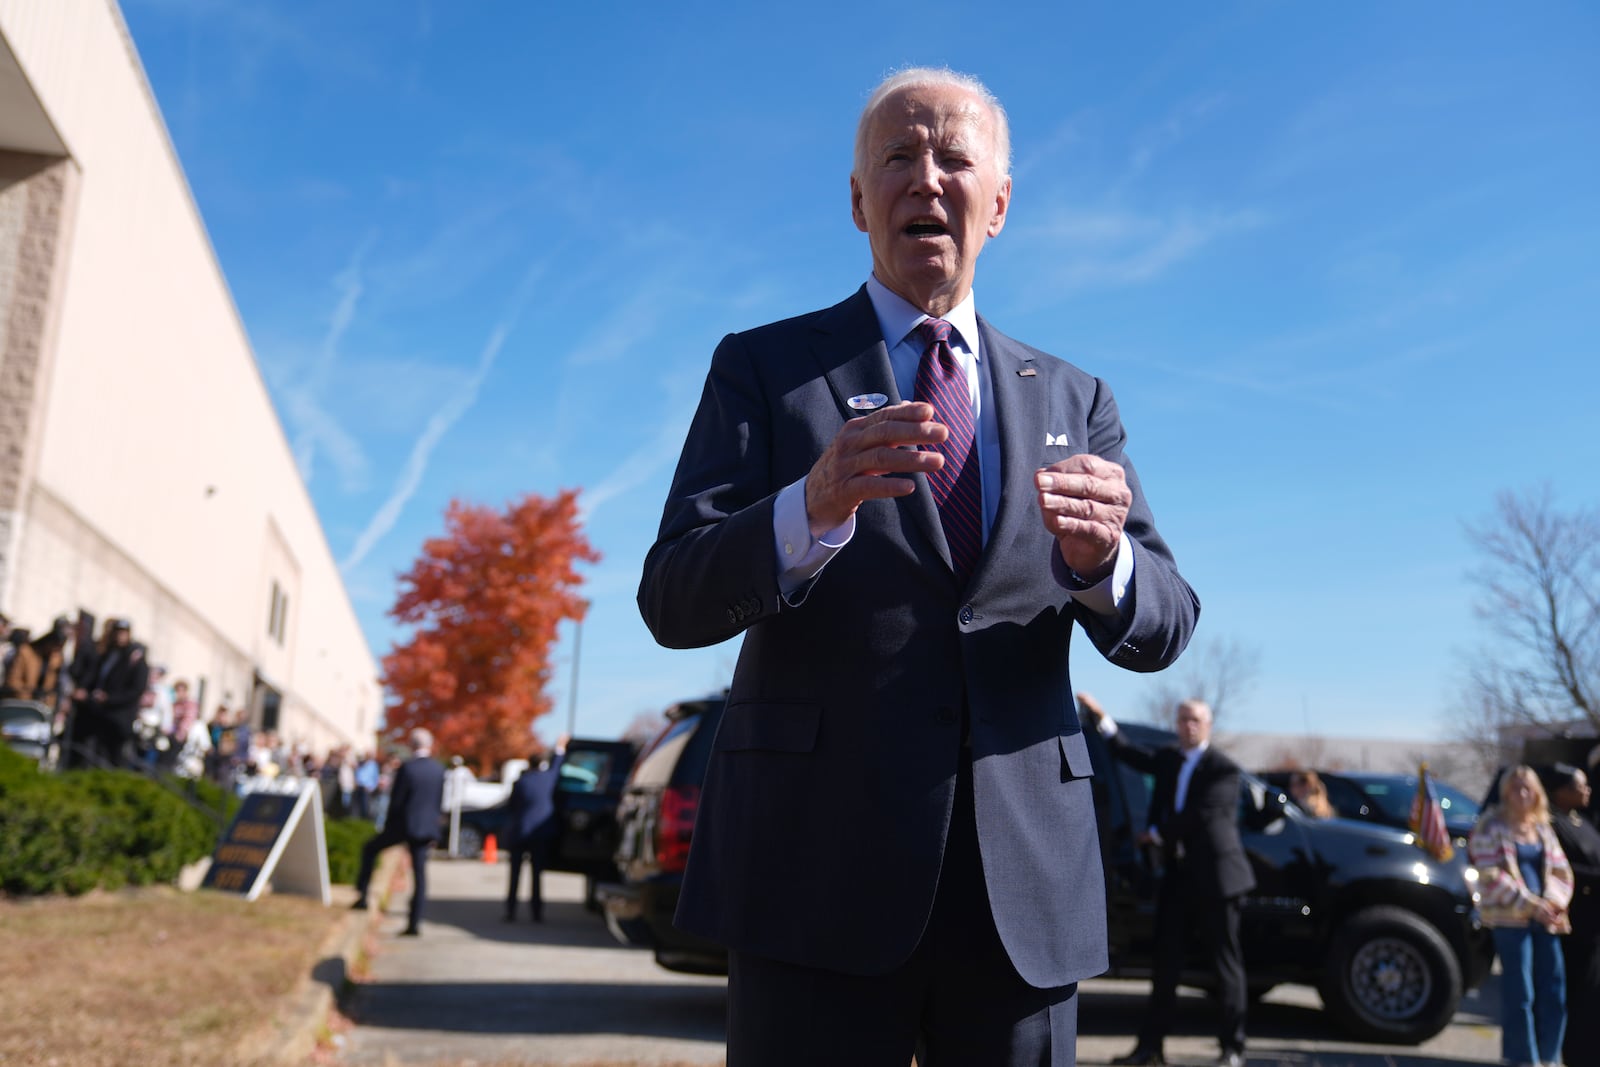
942	382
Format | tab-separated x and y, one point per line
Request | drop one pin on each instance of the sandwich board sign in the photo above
275	838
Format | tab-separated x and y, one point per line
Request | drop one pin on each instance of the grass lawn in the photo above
155	977
150	977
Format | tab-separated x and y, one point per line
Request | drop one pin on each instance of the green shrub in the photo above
345	838
73	832
70	833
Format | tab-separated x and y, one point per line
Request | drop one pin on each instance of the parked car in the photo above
25	727
1386	933
1386	798
587	795
656	819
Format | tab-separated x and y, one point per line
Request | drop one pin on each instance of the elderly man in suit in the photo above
905	512
416	801
1194	821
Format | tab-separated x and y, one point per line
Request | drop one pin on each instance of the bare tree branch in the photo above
1219	672
1540	603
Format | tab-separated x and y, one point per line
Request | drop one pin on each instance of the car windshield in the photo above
1394	796
583	772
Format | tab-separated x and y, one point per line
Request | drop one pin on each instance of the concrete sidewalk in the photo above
474	989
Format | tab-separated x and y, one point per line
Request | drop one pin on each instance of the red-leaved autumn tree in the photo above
485	601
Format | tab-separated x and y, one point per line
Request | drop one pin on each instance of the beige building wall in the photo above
148	474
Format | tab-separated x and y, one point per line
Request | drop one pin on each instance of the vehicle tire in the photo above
1391	977
469	841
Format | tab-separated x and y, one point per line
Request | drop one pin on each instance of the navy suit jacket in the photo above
416	799
822	821
533	802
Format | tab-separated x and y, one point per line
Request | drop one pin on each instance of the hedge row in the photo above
70	833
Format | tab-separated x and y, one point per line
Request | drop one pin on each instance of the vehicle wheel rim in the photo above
1390	980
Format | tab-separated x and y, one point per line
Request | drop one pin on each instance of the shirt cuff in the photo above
1104	597
800	559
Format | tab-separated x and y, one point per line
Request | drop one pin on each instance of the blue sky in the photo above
1339	264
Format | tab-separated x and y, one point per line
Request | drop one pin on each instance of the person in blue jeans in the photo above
1525	884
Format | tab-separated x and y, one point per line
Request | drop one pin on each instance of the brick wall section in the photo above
32	190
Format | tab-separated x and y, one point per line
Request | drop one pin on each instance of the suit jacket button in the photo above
966	614
946	716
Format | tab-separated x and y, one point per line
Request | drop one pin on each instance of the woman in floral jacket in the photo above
1525	884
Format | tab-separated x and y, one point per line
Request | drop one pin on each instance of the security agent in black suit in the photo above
108	693
1193	819
416	800
533	827
1570	796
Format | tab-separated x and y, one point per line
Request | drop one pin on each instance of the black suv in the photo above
656	818
587	795
1386	798
1387	934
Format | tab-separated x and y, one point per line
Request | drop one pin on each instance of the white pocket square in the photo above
1052	439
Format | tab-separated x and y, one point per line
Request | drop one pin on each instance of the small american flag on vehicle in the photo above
1427	819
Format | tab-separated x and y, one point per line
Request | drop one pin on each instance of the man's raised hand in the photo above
1084	501
850	469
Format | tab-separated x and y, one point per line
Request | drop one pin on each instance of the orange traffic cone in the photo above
491	849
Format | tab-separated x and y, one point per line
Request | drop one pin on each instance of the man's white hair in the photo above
421	739
924	76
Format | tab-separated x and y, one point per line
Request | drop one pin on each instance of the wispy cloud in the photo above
439	424
314	425
260	34
1170	132
1114	248
640	466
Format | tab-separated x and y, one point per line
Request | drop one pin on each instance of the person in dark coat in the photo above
416	801
109	692
1580	840
1193	820
532	827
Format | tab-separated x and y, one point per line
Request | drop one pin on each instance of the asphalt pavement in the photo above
473	989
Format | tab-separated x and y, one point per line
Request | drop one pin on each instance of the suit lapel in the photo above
850	349
1019	402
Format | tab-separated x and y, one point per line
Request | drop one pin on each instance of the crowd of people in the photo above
1536	850
1537	854
113	707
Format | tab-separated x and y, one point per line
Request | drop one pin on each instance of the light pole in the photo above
577	653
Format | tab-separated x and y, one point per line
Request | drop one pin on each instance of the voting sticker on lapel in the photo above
867	403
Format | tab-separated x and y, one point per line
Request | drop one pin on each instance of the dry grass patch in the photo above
154	977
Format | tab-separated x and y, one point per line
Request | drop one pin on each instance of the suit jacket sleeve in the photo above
716	536
1134	755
